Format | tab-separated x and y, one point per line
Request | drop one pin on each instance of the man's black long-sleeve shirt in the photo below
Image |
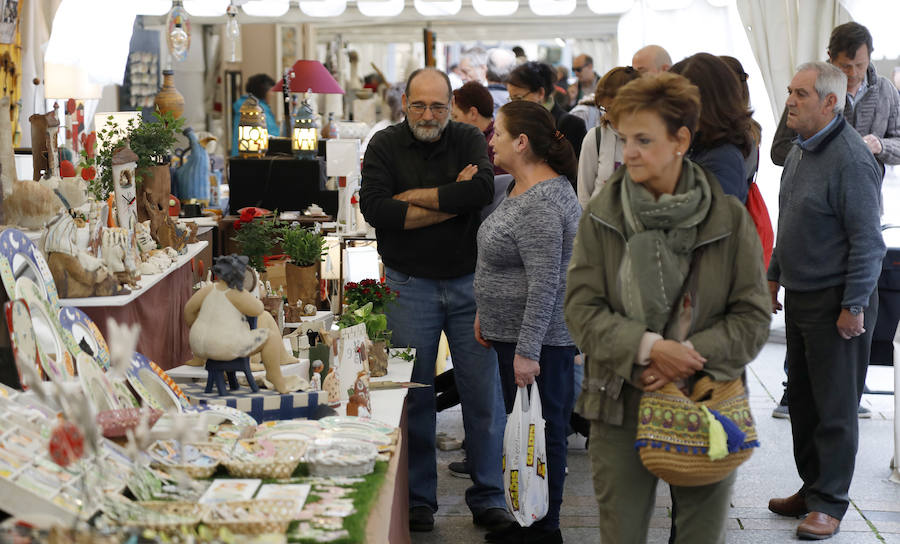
396	161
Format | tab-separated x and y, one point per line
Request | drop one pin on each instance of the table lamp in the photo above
253	134
305	133
306	76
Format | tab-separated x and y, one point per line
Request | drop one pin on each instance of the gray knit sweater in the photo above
524	248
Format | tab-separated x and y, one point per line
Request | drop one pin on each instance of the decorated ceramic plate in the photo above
352	422
80	327
224	413
182	398
55	357
19	257
152	389
372	437
21	336
96	387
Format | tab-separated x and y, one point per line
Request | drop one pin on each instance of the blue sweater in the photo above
727	163
829	230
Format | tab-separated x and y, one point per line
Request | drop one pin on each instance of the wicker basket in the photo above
252	517
194	471
167	516
288	454
673	435
341	458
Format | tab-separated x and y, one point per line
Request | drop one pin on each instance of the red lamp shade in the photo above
312	76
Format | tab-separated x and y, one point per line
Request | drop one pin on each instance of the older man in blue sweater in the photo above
828	257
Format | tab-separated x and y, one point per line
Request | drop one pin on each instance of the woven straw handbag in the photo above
673	433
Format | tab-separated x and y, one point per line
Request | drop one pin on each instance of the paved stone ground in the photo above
874	514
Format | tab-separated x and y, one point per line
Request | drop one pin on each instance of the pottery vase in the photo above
302	283
168	99
156	184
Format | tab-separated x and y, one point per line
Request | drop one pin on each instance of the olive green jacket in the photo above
731	302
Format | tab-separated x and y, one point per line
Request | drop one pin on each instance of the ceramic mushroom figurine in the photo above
217	316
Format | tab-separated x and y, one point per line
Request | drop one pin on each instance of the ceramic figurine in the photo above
162	227
315	382
44	152
331	386
30	205
192	177
216	315
76	273
359	396
96	221
119	256
144	239
124	162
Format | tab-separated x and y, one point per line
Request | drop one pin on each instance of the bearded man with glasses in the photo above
424	182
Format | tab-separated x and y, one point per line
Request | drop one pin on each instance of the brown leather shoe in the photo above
793	506
818	526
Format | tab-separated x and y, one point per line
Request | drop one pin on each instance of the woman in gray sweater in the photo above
524	248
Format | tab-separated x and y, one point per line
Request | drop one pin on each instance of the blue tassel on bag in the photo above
734	434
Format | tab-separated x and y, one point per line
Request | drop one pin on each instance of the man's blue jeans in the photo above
424	308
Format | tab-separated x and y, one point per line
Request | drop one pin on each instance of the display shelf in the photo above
146	282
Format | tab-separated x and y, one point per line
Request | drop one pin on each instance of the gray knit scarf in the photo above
660	235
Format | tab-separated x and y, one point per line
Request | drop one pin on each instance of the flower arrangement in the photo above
369	290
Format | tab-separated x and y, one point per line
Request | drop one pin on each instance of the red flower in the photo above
351	285
247	215
379	295
88	173
366	291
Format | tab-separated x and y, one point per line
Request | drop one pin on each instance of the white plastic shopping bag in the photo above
525	459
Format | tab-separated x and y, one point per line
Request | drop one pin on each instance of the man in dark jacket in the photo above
424	182
828	257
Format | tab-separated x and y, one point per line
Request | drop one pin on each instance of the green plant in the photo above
304	246
256	237
376	323
369	290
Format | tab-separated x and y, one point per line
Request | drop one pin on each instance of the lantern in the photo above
305	139
253	136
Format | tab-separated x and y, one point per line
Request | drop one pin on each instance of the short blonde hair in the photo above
675	99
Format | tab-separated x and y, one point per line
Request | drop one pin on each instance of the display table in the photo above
157	307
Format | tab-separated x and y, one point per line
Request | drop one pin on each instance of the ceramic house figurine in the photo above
216	315
76	273
45	155
124	162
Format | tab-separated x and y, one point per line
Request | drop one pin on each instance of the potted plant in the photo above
256	236
153	142
366	302
304	248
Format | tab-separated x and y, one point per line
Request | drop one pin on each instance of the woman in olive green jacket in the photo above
665	281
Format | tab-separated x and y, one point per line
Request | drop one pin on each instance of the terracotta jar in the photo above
168	98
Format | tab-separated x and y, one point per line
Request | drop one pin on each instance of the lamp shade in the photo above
311	76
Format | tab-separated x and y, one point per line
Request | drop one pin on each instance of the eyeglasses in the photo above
514	97
437	109
577	69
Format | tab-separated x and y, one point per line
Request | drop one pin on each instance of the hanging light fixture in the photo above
552	7
438	8
178	31
380	8
232	36
495	8
206	8
266	8
305	137
253	136
323	8
610	7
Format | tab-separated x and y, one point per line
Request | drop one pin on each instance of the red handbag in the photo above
760	214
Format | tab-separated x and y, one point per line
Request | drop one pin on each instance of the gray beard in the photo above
429	131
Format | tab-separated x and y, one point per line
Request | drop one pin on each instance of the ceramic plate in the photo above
350	422
96	387
182	398
78	325
149	386
21	336
19	257
225	413
372	437
53	354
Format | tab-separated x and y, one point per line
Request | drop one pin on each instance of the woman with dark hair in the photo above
474	105
665	285
534	81
520	279
724	137
258	86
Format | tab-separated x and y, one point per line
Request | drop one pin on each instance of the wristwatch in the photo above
855	310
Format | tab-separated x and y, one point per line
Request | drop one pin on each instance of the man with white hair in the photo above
473	65
499	64
828	257
651	59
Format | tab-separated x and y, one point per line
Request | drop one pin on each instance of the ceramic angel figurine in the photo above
217	316
76	273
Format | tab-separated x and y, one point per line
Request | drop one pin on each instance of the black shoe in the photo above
493	519
512	534
460	469
421	519
533	535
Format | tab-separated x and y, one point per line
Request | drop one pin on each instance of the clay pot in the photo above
378	360
302	283
156	183
168	98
